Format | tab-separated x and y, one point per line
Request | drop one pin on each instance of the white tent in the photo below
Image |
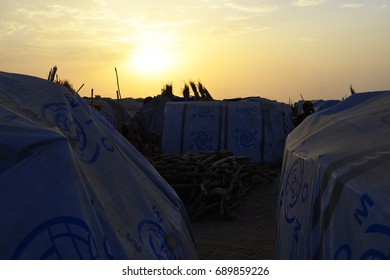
256	128
334	190
73	188
115	113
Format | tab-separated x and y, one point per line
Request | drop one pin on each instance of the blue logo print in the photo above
293	190
152	234
247	138
201	140
60	238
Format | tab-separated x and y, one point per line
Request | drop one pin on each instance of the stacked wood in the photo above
211	183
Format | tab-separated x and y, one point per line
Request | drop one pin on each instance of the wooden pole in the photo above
118	96
91	97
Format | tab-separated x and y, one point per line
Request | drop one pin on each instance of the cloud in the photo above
238	18
48	28
8	28
233	29
352	5
308	3
158	20
250	7
52	17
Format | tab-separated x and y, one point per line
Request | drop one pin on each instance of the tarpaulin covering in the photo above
73	188
114	111
253	128
151	116
334	191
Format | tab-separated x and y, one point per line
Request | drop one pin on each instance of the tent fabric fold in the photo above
73	188
334	190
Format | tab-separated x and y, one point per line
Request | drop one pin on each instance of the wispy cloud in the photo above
250	7
352	5
54	18
308	3
214	4
50	28
233	29
158	20
238	18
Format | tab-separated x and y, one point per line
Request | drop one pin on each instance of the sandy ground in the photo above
249	237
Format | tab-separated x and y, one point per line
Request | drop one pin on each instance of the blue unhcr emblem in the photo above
86	149
201	140
60	238
247	138
293	190
152	234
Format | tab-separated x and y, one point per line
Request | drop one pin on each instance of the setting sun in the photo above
151	60
273	49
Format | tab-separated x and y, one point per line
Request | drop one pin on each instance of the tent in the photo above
334	190
256	128
113	111
73	188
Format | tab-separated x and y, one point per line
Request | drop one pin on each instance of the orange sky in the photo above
273	49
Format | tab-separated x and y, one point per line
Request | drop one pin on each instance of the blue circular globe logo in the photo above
60	238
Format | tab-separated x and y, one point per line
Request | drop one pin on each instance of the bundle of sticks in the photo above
213	182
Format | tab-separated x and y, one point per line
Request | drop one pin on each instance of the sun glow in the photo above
151	60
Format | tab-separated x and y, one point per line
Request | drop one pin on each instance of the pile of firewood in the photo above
212	183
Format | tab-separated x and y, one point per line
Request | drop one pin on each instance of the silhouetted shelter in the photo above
333	193
72	187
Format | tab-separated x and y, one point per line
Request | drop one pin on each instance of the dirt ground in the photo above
249	237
